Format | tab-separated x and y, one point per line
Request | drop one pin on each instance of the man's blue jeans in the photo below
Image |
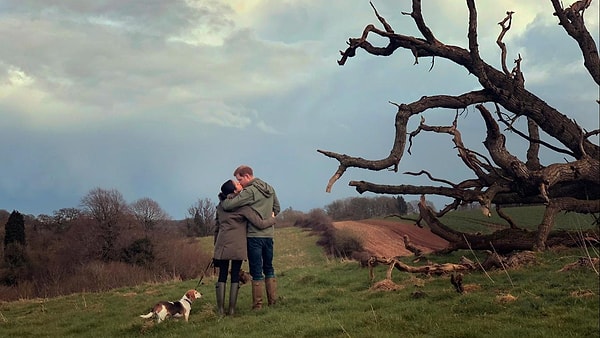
260	257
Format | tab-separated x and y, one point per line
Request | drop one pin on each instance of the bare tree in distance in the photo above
107	208
500	178
202	218
64	216
148	213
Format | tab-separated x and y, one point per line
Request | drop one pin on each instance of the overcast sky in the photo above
164	99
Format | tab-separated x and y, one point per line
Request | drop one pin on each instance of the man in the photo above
261	197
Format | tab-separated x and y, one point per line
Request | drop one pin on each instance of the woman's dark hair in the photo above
227	188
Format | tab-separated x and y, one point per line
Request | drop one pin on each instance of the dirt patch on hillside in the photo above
386	238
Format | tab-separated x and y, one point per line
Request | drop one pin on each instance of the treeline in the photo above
103	244
107	242
355	208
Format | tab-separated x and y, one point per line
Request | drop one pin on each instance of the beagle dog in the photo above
181	308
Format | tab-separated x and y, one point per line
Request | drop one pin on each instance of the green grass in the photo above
526	217
323	297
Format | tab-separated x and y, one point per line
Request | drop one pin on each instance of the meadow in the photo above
331	297
527	217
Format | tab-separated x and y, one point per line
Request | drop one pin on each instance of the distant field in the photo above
526	217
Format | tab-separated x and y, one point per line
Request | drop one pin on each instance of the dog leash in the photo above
210	263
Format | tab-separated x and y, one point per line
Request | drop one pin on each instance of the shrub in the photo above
345	243
187	262
140	252
316	219
338	243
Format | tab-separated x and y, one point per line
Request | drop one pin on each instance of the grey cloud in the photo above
151	17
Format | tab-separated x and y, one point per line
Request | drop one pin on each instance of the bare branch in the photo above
505	90
531	139
591	133
402	117
506	217
387	26
516	73
477	67
424	172
417	15
571	19
533	161
494	143
499	41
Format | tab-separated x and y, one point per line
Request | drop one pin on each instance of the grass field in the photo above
528	217
324	297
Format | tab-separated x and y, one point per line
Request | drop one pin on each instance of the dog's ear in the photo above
191	294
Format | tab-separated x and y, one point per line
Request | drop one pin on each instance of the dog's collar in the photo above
189	301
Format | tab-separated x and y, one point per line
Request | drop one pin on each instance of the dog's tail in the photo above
149	315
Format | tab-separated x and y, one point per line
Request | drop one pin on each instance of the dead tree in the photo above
500	178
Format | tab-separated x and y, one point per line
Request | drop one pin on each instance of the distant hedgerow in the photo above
338	243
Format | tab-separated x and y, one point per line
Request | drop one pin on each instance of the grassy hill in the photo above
323	297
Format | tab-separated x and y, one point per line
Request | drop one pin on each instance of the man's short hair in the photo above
243	170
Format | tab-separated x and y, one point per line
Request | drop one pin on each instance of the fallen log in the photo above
493	261
436	269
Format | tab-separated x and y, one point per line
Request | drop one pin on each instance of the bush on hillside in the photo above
345	243
337	243
140	252
316	220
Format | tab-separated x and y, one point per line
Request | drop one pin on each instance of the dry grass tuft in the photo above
583	294
386	285
506	298
582	262
471	287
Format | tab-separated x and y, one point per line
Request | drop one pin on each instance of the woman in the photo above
230	243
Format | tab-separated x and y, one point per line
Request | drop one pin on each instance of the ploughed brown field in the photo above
386	238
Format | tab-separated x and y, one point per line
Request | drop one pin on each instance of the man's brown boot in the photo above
271	284
257	294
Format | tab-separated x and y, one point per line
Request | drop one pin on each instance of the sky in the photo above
164	99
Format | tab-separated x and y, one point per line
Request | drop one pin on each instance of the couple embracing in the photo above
244	230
